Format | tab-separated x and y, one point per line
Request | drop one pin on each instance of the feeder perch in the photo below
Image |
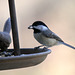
23	57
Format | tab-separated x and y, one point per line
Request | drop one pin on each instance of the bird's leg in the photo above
38	47
45	48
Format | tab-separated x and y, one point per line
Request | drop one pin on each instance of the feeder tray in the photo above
29	57
24	57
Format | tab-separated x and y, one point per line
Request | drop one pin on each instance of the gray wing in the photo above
49	34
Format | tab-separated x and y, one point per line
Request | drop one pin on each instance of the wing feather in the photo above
49	34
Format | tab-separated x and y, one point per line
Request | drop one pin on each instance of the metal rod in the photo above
14	27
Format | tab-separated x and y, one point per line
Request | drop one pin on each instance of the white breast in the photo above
44	40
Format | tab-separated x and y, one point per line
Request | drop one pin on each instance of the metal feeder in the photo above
24	57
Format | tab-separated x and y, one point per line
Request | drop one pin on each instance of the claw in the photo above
36	48
45	48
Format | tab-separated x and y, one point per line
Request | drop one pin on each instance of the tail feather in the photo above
68	45
7	26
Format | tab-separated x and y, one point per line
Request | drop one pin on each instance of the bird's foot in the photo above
45	48
35	48
38	47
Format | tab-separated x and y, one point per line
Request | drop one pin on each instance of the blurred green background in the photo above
59	15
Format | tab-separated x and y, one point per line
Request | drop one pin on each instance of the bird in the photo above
5	38
45	36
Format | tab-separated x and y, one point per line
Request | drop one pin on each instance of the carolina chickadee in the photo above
45	36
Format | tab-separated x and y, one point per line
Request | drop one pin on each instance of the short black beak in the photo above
30	27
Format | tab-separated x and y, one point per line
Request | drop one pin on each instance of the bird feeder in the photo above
23	57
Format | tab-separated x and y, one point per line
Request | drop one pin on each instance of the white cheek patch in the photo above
41	27
44	28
